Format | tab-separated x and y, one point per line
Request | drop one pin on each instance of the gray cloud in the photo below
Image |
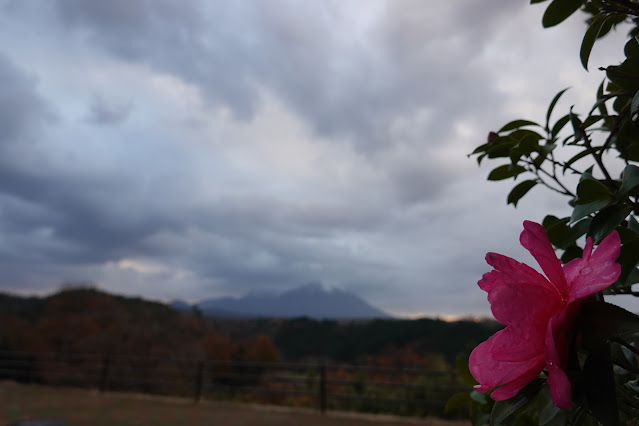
103	112
227	146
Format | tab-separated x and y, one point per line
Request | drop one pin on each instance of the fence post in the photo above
199	375
322	388
104	373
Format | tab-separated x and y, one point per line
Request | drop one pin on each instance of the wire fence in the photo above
404	391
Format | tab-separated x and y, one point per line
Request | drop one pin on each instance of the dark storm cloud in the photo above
206	148
102	112
22	110
341	85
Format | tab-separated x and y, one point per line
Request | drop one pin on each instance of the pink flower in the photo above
538	313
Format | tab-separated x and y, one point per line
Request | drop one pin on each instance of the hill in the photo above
311	300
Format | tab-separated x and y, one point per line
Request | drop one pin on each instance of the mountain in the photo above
311	300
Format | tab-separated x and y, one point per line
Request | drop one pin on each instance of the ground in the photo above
88	407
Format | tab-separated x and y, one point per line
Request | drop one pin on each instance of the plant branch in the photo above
598	159
626	345
536	171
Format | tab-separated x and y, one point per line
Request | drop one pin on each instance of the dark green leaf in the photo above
607	220
537	1
559	125
521	134
549	413
622	357
583	210
595	387
628	260
571	253
559	10
479	418
634	107
520	190
500	147
561	235
601	101
592	119
505	171
602	320
515	124
589	190
525	147
504	409
552	105
577	126
631	49
589	39
629	180
480	148
576	158
478	397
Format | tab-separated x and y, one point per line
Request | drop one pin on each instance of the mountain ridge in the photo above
311	300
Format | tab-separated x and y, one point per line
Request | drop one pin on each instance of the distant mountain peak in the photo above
314	300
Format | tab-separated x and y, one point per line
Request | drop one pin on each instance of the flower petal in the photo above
557	355
535	240
594	272
491	373
560	389
517	293
510	389
516	343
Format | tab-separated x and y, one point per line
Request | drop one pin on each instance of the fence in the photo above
405	391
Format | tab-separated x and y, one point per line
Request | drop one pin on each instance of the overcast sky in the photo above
197	149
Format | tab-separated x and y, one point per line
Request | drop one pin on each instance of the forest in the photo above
88	320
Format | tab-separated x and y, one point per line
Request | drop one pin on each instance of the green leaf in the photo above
576	158
577	127
589	39
631	49
516	124
628	260
559	10
601	101
526	146
520	190
549	413
602	320
630	179
634	108
589	190
505	171
561	235
583	210
559	125
537	1
479	397
595	387
571	253
607	220
504	409
552	105
500	147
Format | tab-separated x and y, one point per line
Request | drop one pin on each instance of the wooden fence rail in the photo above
406	391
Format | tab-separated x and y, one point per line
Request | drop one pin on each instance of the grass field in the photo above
87	407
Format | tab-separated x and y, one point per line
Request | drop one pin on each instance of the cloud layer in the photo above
196	149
